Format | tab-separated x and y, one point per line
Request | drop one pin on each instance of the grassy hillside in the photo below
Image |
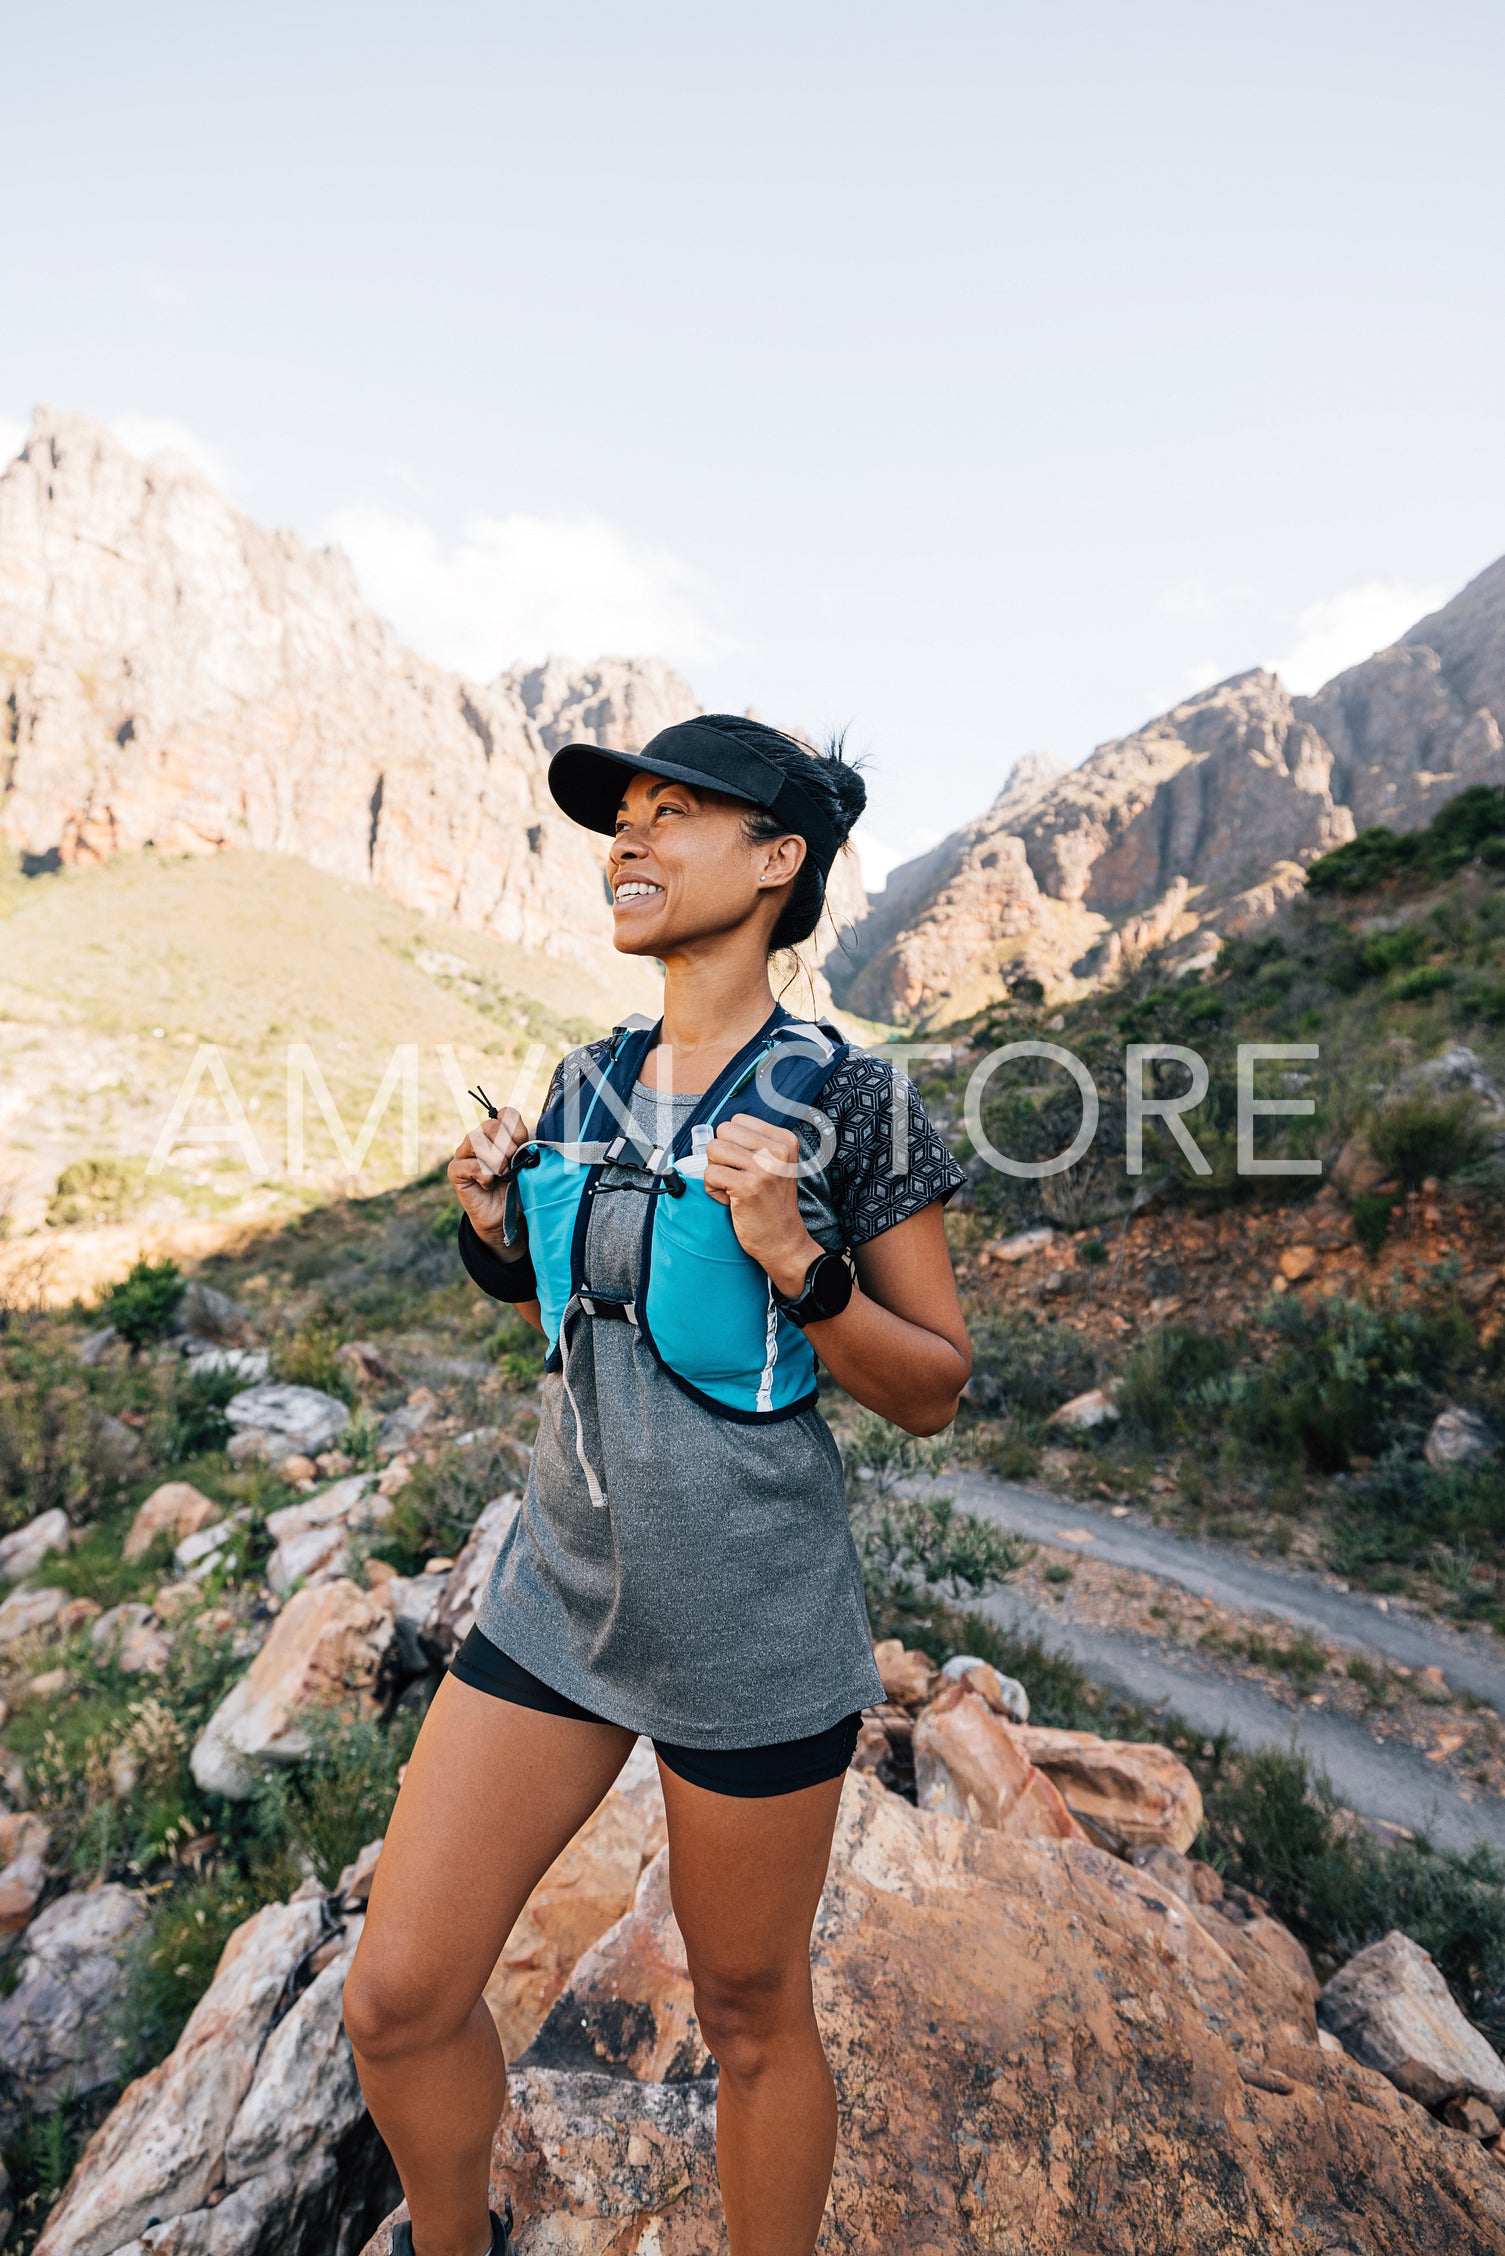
111	979
1279	1346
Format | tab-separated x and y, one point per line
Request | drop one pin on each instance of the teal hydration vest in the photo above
703	1307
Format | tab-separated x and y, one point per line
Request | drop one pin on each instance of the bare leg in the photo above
492	1795
746	1877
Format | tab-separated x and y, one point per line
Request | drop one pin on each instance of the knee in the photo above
744	2015
389	2014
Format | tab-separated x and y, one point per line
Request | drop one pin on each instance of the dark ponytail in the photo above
827	777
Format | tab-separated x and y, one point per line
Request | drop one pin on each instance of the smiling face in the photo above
682	870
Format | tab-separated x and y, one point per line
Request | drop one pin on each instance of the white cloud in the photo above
519	588
158	438
1339	630
12	437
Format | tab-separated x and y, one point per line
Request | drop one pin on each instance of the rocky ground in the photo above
1062	2010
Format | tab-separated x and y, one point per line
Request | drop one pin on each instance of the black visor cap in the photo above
588	782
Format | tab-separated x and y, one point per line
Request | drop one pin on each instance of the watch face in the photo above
831	1285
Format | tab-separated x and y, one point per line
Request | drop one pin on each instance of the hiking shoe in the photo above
501	2234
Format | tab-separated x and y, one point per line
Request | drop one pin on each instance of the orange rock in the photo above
175	1509
1141	1793
906	1676
1034	2050
586	1889
1298	1261
968	1763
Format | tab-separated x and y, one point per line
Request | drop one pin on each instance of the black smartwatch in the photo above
825	1292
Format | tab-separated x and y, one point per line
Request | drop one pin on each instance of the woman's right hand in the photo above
481	1158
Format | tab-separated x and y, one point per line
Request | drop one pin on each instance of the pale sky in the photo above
984	377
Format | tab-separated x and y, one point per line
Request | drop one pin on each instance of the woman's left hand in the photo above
752	1167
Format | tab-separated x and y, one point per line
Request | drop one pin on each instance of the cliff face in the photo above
1207	816
172	674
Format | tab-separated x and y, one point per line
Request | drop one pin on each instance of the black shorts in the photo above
746	1771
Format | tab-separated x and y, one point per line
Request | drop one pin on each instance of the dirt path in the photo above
1472	1663
1387	1779
1400	1758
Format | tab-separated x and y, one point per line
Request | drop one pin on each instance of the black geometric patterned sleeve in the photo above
875	1179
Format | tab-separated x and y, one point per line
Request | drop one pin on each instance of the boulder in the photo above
604	2167
456	1614
175	1509
1297	1262
323	1651
22	1552
194	1555
57	2039
366	1364
1020	1246
906	1675
1005	1695
206	1359
132	1634
404	1425
286	1418
628	2006
1084	1411
969	1763
1142	1793
94	1347
1392	2010
23	1833
1458	1438
1356	1172
1035	2050
161	2152
1274	1936
312	1538
27	1612
210	1313
116	1448
590	1885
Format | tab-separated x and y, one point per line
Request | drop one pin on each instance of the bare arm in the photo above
900	1345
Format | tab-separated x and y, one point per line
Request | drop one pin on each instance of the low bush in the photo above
1021	1364
308	1357
1418	1136
1163	1388
143	1307
1470	827
432	1516
1275	1827
321	1812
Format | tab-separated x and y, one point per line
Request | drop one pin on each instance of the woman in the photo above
682	1564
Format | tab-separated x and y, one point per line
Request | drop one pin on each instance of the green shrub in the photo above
1276	1827
1370	1213
144	1305
172	1963
307	1357
913	1549
432	1516
321	1812
1470	826
1418	1136
1021	1364
197	1425
1163	1388
1344	1378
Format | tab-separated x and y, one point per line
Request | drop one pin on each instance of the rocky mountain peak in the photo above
179	676
1208	815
